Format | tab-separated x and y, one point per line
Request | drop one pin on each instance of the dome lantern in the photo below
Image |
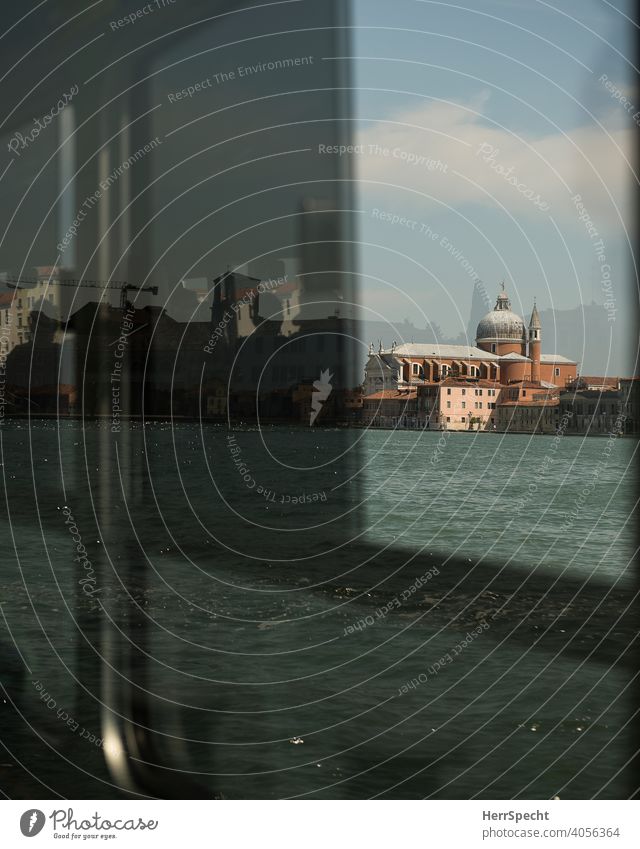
503	302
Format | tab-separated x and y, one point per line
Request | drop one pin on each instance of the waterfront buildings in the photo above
502	383
594	411
256	355
505	353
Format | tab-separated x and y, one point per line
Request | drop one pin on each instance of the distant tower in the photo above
479	306
535	340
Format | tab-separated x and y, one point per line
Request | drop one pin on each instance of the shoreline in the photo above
218	420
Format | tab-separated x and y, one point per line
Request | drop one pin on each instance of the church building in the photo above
461	387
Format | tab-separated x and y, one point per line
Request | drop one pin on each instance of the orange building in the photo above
507	355
466	404
503	333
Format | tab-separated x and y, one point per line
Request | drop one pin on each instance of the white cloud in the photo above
553	167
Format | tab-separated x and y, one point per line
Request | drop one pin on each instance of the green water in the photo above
253	638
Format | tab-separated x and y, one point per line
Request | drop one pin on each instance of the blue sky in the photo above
501	89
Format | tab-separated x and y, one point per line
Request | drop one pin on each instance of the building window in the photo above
415	368
464	391
463	419
493	347
479	391
464	406
480	405
448	405
448	391
557	372
448	418
524	393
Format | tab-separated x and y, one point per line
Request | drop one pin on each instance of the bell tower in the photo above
535	342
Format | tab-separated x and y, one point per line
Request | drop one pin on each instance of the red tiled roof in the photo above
472	382
527	384
394	394
529	402
608	382
604	381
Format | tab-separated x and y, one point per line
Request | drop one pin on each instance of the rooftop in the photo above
469	382
544	358
393	394
557	358
531	384
513	357
611	393
433	349
591	380
551	401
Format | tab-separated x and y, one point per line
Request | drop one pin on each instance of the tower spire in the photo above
535	318
535	340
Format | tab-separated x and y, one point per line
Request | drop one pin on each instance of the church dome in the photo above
501	324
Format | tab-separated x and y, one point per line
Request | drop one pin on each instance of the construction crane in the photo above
122	286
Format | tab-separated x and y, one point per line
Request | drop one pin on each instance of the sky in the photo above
494	143
478	128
